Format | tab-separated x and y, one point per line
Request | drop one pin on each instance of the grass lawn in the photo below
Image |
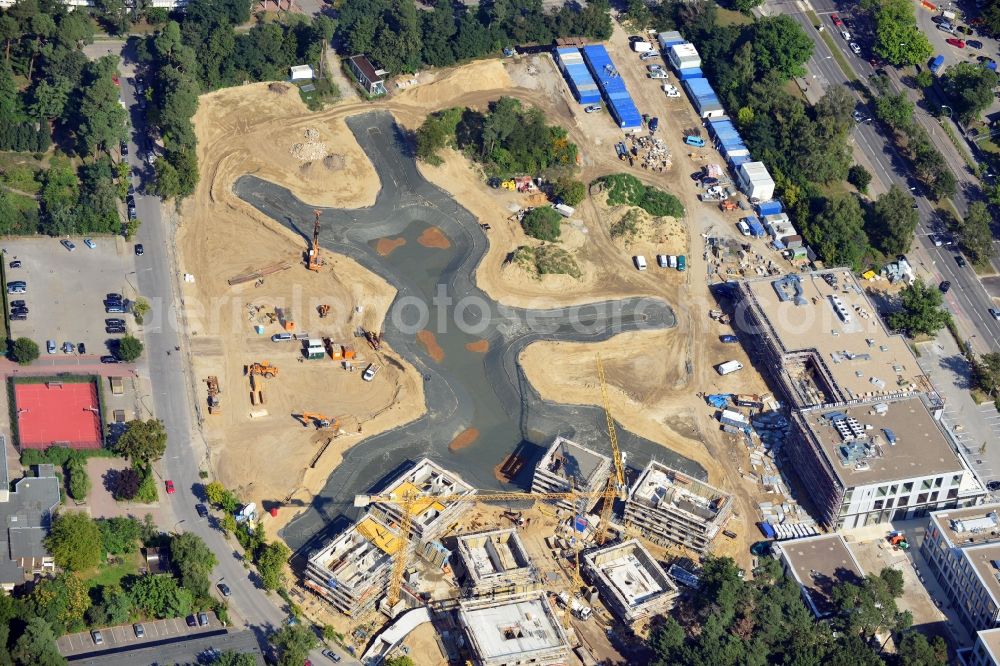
730	17
111	574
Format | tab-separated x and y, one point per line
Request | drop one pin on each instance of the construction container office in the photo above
706	102
668	39
578	78
613	89
683	56
729	142
755	181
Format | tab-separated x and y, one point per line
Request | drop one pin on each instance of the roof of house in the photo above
25	519
366	67
819	563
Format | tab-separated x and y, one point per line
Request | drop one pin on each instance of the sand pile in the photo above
311	149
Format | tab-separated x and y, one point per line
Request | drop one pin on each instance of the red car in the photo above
957	43
114	77
836	21
170	487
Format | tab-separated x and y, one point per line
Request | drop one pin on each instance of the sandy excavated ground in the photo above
654	377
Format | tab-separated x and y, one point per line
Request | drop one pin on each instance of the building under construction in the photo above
352	571
671	508
495	562
430	518
569	466
521	629
631	582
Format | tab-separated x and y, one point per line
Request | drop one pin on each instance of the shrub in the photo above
129	348
79	482
569	191
147	488
626	189
24	351
542	223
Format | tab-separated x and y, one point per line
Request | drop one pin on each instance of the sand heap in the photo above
311	149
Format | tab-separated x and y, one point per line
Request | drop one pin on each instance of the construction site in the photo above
306	387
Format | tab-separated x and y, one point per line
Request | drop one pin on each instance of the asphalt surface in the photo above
173	396
968	298
185	650
464	390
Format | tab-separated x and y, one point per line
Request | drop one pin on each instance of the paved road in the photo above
968	298
177	651
464	391
173	398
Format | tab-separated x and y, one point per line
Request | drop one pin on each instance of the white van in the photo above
743	227
281	337
672	260
728	367
640	262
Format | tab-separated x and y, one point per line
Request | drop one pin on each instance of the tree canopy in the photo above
24	351
142	442
194	562
543	223
974	233
893	221
898	39
74	541
969	88
920	311
837	232
293	643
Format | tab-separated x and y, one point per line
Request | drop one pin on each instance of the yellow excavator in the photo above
319	420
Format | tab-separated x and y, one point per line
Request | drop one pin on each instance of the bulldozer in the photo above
323	310
319	420
263	368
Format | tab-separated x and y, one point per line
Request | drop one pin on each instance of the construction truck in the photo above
319	420
898	540
263	368
313	261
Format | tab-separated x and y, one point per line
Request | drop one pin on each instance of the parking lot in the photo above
66	290
124	635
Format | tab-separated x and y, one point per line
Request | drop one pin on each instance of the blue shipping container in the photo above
691	73
578	77
619	102
772	207
756	228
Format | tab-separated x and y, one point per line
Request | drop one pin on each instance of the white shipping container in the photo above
728	367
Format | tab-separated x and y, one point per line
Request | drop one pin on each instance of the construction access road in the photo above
437	316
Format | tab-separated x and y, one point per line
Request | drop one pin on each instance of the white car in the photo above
593	108
654	68
370	372
649	56
846	35
658	74
90	243
661	261
672	92
640	262
855	48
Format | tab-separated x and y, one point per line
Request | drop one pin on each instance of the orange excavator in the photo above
319	420
313	262
264	369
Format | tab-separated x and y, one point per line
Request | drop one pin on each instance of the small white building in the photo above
684	56
755	181
302	73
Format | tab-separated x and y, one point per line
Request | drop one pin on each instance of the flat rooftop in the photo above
353	556
828	312
496	553
991	639
631	572
884	441
521	628
659	486
571	461
426	478
982	558
969	526
818	563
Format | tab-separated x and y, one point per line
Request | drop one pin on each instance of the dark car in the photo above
974	43
19	309
224	589
81	349
944	287
18	317
191	621
960	260
202	510
130	200
16	263
131	189
113	297
729	339
115	330
109	359
993	486
138	249
124	148
17	304
939	19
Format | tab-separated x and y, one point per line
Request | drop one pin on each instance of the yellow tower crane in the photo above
616	480
411	503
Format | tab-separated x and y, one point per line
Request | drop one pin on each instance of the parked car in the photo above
50	346
203	619
370	372
729	339
640	262
654	124
654	67
957	43
191	621
14	316
974	44
89	242
113	297
649	55
593	108
68	347
694	141
940	19
81	348
140	631
138	249
855	48
202	510
17	287
68	244
331	655
170	486
846	35
671	92
17	304
224	589
659	74
993	486
98	639
124	148
15	264
19	309
662	261
944	286
946	26
960	260
836	20
109	359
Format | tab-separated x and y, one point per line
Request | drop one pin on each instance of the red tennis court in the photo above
57	413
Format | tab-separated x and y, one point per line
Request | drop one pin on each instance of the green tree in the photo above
114	14
637	14
228	524
970	89
436	132
159	596
194	562
293	643
271	564
568	190
230	658
10	101
915	650
920	311
924	79
37	645
140	308
399	661
870	607
986	374
121	535
59	196
746	6
974	233
125	485
79	481
142	442
837	232
860	178
24	351
543	223
896	110
102	122
129	348
214	492
892	222
61	601
780	45
74	541
898	39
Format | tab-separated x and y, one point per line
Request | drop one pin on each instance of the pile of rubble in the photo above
311	149
651	152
